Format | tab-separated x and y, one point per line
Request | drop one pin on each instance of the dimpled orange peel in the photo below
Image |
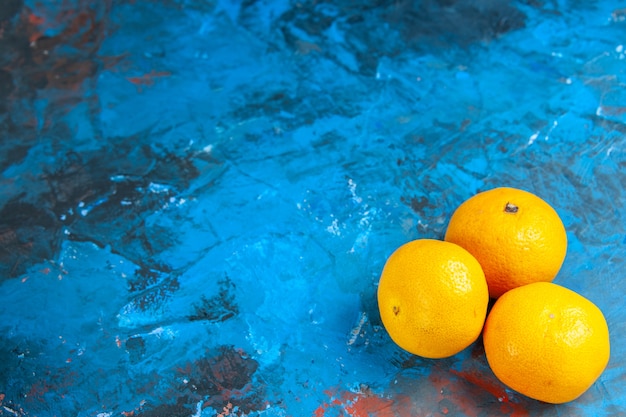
432	298
546	342
516	236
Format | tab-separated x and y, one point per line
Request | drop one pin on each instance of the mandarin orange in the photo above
516	236
432	298
546	342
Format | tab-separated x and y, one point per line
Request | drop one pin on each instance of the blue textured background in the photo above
197	197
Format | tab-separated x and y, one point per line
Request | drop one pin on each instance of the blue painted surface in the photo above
198	197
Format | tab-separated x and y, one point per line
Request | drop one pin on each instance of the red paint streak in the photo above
366	406
331	392
491	387
32	38
81	28
111	63
320	411
149	78
517	410
48	66
33	19
363	404
507	406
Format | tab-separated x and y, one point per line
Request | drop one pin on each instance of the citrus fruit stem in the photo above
510	208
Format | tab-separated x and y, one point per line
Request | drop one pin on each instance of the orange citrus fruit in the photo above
546	342
516	236
432	298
